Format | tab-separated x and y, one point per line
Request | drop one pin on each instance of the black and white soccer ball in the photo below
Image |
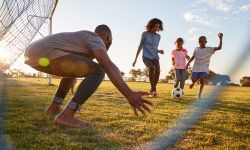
177	93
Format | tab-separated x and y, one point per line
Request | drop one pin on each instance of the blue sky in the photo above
188	19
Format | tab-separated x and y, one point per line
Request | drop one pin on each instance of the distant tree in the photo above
3	66
135	73
170	76
16	73
145	73
211	76
245	81
171	73
39	74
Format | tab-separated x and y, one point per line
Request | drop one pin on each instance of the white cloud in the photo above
193	30
193	38
220	5
191	17
244	8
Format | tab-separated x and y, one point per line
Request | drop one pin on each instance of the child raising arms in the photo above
179	56
201	57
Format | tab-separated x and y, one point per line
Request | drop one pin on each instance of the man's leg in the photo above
61	93
178	77
75	66
202	83
86	88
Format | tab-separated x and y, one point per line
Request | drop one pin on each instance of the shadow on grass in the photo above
29	128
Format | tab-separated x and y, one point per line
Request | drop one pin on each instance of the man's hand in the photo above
173	63
187	65
220	35
138	103
161	51
134	98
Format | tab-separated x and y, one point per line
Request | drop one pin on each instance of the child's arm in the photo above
220	35
190	60
187	57
173	63
161	51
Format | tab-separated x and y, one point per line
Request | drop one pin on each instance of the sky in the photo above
188	19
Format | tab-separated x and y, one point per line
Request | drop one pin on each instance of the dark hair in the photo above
179	40
201	37
100	29
152	22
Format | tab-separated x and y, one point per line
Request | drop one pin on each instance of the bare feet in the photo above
191	85
66	118
53	109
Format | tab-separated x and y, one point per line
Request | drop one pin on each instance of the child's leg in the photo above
178	77
194	80
183	78
202	83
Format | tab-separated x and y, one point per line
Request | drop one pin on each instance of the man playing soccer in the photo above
201	57
70	55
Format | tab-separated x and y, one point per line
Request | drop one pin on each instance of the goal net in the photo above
22	21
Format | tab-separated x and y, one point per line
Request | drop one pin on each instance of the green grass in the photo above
226	126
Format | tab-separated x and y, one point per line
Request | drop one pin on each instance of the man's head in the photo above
105	33
202	41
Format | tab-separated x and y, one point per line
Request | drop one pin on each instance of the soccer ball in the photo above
177	93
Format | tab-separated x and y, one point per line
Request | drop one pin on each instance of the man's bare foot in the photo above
53	109
66	118
191	86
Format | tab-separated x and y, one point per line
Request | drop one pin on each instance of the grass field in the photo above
226	126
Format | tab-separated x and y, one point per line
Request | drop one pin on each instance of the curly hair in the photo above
152	22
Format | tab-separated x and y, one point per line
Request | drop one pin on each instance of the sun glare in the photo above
5	55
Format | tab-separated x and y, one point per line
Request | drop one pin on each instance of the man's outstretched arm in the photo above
134	98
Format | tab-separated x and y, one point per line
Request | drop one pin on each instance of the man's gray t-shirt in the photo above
61	44
202	59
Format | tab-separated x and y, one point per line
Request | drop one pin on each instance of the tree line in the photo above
213	78
137	75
